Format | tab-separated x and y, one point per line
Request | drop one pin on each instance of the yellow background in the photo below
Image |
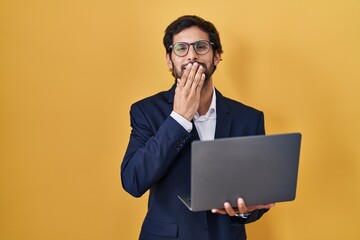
70	70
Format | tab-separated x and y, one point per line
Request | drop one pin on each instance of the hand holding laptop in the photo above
242	208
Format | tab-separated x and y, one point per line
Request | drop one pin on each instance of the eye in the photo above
202	46
180	47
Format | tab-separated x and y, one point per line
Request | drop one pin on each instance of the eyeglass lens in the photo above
200	47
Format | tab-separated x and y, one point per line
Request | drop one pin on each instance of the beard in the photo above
177	73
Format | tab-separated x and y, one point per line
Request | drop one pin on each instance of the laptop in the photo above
261	169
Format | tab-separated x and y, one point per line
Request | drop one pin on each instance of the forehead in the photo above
190	35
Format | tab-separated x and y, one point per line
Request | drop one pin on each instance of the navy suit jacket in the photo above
158	159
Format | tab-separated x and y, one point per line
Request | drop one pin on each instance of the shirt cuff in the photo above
182	121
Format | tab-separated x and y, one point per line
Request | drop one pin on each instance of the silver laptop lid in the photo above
260	169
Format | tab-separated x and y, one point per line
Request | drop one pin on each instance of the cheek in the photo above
176	65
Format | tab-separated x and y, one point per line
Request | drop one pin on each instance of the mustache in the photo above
183	66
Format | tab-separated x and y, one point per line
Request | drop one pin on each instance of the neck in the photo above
206	97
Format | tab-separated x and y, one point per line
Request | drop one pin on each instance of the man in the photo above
163	125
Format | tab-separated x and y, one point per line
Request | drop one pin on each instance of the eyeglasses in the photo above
201	47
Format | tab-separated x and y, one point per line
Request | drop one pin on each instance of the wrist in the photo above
182	121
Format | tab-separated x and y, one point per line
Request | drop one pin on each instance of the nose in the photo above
192	55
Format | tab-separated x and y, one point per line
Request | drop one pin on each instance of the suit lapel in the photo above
169	95
223	117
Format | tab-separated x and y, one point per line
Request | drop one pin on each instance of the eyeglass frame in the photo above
191	44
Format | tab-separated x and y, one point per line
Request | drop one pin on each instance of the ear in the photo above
168	61
217	58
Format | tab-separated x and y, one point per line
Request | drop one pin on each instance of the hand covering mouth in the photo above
183	67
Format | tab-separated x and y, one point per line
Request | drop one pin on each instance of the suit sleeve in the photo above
151	150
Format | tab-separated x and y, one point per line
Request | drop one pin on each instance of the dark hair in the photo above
188	21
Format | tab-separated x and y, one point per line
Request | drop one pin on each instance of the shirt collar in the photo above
211	112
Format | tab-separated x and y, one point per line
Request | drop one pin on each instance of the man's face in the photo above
208	61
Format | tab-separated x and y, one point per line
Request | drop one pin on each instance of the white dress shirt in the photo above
205	124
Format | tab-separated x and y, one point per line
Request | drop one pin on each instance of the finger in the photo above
191	76
241	206
201	83
229	209
185	75
219	211
260	206
265	206
198	77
